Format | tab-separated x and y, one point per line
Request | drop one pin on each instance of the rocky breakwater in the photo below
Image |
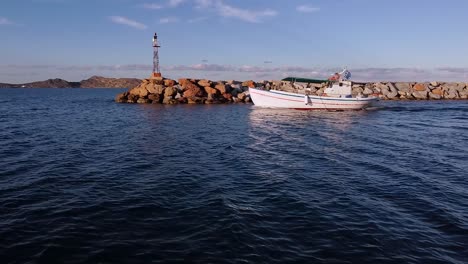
385	90
414	91
160	90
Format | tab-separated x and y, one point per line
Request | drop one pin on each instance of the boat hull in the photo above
280	99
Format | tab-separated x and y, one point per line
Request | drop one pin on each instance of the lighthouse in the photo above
156	46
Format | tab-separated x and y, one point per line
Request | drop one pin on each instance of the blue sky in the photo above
227	39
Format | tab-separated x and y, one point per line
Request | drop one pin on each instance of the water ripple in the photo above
84	180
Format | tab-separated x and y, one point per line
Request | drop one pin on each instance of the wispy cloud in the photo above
197	19
128	22
152	6
307	9
225	10
175	3
156	6
167	20
5	21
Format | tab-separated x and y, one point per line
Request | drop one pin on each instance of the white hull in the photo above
280	99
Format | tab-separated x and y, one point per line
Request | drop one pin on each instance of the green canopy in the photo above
303	80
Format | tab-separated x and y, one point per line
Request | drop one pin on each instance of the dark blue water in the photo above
86	180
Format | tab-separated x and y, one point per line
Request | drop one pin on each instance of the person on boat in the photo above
335	77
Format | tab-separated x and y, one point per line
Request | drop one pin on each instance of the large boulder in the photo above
195	100
210	90
249	83
420	95
389	91
451	94
193	91
223	88
434	96
159	89
151	88
143	101
170	92
169	82
420	87
228	96
204	83
437	91
401	86
187	85
131	98
242	96
155	98
454	86
157	80
140	91
121	98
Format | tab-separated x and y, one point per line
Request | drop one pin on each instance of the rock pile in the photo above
159	90
388	90
194	91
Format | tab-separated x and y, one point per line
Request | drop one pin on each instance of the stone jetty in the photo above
160	90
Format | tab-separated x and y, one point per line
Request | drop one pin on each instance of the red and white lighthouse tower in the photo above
156	46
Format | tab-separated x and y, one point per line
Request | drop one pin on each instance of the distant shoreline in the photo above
93	82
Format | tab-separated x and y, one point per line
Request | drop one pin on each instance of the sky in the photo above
387	40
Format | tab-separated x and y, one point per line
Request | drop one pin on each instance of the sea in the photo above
86	180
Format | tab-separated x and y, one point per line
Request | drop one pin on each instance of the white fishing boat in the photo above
337	96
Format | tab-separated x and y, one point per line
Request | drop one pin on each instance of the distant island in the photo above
93	82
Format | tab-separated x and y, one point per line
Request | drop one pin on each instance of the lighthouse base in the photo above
155	75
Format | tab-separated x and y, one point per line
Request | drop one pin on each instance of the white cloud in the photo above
225	10
170	3
197	19
167	20
174	3
307	9
5	21
152	6
128	22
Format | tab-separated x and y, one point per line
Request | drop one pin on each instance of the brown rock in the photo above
155	98
151	88
419	87
434	96
250	84
131	98
211	91
183	81
204	83
401	86
121	98
170	100
191	90
223	88
143	101
159	89
437	91
227	96
169	82
241	96
195	100
182	100
170	92
422	95
139	90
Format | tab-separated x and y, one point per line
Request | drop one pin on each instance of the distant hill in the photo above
93	82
